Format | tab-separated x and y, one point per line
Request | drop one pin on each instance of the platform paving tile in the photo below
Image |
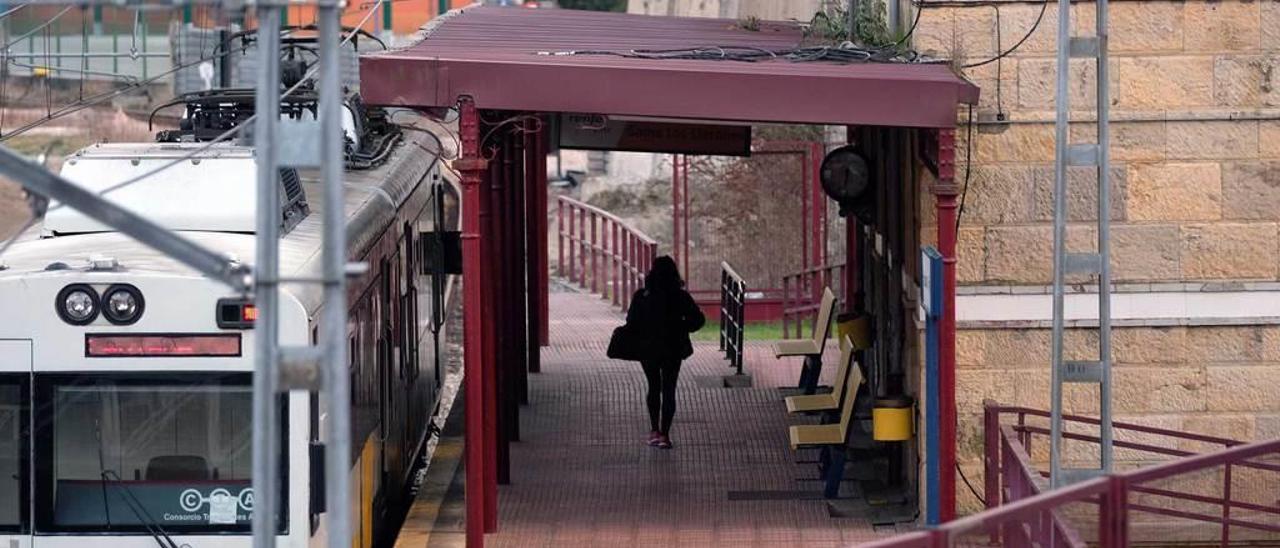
582	475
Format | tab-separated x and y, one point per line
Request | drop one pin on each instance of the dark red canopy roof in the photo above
504	58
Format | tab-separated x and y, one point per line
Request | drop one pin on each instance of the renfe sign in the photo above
599	132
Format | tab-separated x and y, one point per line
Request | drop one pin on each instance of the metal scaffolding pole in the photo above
266	439
336	381
1097	265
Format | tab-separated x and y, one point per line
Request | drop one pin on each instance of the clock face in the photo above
844	174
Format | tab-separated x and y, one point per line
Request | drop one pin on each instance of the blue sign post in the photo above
931	299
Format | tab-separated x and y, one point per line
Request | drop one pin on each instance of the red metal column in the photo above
533	280
676	202
542	233
500	189
491	246
471	166
572	243
991	462
946	190
819	201
851	262
519	276
560	237
804	221
582	247
617	265
595	252
684	214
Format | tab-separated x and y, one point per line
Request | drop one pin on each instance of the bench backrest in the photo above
842	368
822	327
850	394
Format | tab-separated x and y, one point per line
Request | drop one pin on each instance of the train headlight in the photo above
122	304
77	304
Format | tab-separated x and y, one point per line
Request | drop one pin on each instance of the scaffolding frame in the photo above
1096	265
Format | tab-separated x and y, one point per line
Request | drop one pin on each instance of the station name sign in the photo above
599	132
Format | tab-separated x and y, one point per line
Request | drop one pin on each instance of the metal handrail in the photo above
802	294
1021	511
733	314
606	255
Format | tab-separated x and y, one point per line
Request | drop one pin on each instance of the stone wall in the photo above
1195	184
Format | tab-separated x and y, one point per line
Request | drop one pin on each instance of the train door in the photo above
15	423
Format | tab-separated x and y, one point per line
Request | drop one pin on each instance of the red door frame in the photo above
813	218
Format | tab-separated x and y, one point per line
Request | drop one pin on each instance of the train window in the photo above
13	418
129	453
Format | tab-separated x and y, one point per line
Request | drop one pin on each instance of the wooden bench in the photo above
812	347
831	438
831	400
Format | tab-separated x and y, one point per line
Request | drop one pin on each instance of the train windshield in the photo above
133	454
11	449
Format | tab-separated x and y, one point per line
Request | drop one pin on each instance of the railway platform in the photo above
583	476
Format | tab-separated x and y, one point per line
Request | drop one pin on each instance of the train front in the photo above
125	378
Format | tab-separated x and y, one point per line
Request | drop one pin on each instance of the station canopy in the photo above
554	60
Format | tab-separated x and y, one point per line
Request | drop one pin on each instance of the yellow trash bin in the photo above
891	419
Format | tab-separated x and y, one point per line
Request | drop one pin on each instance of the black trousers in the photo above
661	397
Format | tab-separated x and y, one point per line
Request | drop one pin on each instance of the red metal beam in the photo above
946	191
471	166
868	94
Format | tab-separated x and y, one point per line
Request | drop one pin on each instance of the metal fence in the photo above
802	294
1176	488
605	254
733	314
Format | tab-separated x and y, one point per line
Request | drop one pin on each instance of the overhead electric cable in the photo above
1044	5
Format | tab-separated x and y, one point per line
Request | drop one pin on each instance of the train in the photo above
125	376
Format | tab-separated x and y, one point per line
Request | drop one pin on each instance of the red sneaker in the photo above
654	438
664	442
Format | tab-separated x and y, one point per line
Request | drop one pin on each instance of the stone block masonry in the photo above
1195	182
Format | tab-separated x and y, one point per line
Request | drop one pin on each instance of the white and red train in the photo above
125	396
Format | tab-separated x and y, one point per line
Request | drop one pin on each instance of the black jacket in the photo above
666	318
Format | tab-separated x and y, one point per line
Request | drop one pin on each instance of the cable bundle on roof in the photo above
845	53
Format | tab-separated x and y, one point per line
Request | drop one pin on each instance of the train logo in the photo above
192	500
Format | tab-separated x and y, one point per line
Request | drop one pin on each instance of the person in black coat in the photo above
666	314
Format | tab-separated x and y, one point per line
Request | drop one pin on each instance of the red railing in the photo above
606	255
802	294
1161	495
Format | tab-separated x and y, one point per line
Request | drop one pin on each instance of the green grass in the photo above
755	331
